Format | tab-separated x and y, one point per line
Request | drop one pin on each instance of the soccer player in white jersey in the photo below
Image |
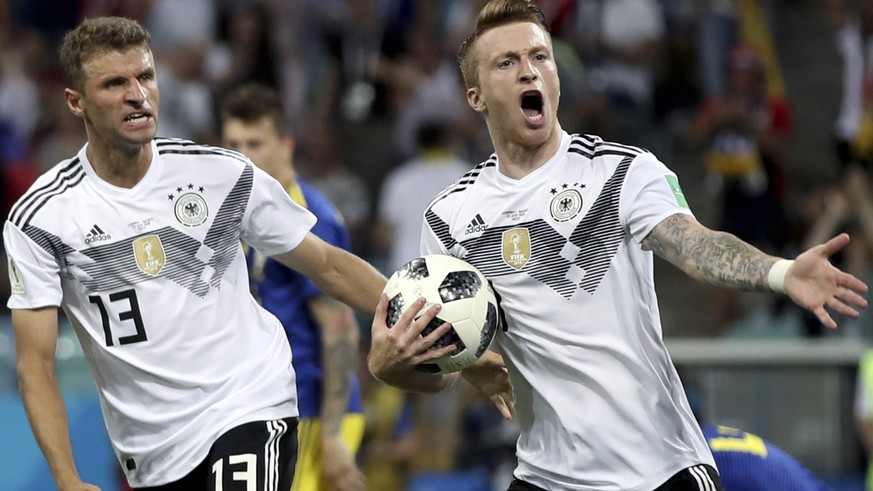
569	225
137	238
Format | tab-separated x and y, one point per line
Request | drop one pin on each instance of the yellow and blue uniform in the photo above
746	462
285	293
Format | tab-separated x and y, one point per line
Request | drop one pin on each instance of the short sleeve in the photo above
34	274
651	193
273	223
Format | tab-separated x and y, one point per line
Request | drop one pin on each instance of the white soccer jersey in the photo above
599	402
153	279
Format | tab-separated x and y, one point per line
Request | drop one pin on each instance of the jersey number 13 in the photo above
132	314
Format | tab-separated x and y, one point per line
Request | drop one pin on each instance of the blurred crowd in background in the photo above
381	124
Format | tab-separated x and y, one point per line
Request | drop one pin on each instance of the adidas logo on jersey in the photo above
96	235
476	225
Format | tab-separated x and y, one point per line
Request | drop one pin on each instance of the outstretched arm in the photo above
36	336
721	259
337	272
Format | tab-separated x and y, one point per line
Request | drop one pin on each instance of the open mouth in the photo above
137	117
532	105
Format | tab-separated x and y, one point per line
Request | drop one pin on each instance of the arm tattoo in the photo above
339	354
714	257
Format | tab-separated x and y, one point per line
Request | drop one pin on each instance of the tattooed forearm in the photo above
339	354
717	258
338	365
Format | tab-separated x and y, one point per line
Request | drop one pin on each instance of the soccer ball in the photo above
468	301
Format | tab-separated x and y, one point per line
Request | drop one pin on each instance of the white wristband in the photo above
776	277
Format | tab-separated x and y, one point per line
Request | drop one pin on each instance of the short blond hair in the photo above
495	14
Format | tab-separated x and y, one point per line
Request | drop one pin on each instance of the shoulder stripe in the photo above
591	141
205	152
461	184
440	229
602	151
186	147
66	178
591	146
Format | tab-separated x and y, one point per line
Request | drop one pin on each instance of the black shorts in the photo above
697	478
260	452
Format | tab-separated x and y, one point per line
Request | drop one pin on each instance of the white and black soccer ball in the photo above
469	305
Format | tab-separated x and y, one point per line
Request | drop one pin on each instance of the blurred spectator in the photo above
717	34
182	33
425	86
728	23
322	166
746	135
406	192
19	94
854	40
352	36
245	52
621	41
677	93
22	61
295	38
189	107
460	20
175	23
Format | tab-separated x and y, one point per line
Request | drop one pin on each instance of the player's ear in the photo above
74	102
288	147
475	100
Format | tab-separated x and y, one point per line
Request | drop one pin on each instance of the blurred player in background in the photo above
322	331
746	462
572	226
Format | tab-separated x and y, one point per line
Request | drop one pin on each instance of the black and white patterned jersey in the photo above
154	282
599	402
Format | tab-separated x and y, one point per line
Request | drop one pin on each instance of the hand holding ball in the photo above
468	304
